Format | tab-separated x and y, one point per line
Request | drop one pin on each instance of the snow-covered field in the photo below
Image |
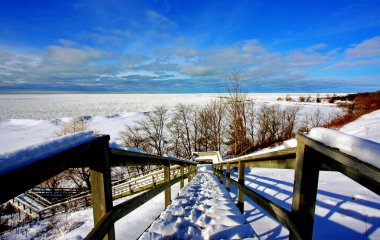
31	119
53	106
345	210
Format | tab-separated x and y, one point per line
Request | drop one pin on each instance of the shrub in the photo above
362	104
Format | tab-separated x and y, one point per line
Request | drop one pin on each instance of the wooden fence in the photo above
125	187
96	155
308	159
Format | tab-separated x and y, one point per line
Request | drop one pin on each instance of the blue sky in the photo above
189	46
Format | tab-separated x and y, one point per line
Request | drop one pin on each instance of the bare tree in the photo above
182	130
149	133
288	124
134	137
216	113
235	102
153	128
72	126
79	176
274	124
311	120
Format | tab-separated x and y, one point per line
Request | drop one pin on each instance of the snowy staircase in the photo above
28	204
37	206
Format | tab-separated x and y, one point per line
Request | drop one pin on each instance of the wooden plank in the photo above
182	182
43	169
276	211
221	172
278	164
168	190
305	190
241	176
361	172
101	188
282	154
190	175
125	158
126	207
228	174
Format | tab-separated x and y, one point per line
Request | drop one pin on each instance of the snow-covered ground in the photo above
202	210
52	106
76	225
345	209
31	119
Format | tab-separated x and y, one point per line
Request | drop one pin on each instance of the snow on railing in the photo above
12	160
363	149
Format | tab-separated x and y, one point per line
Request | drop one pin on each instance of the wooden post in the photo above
182	182
188	171
228	174
101	189
130	188
308	162
167	191
241	176
220	172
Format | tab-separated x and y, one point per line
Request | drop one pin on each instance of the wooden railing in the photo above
81	200
308	159
96	155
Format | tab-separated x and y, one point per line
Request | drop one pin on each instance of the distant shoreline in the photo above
169	93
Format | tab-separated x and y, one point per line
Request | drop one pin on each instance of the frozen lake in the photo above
51	106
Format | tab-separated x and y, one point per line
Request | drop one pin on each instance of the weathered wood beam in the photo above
119	211
276	211
182	182
277	155
168	190
361	172
305	190
228	174
43	169
125	158
101	188
241	176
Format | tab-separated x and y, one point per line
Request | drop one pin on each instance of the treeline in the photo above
358	104
233	125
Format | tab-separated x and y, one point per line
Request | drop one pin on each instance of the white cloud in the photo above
12	62
70	55
306	59
365	53
66	42
159	20
367	48
142	73
198	70
316	47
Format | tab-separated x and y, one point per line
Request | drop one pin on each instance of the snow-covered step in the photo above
31	201
28	205
202	210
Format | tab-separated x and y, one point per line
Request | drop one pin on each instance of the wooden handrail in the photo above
45	168
275	210
308	159
362	172
120	158
100	230
95	154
